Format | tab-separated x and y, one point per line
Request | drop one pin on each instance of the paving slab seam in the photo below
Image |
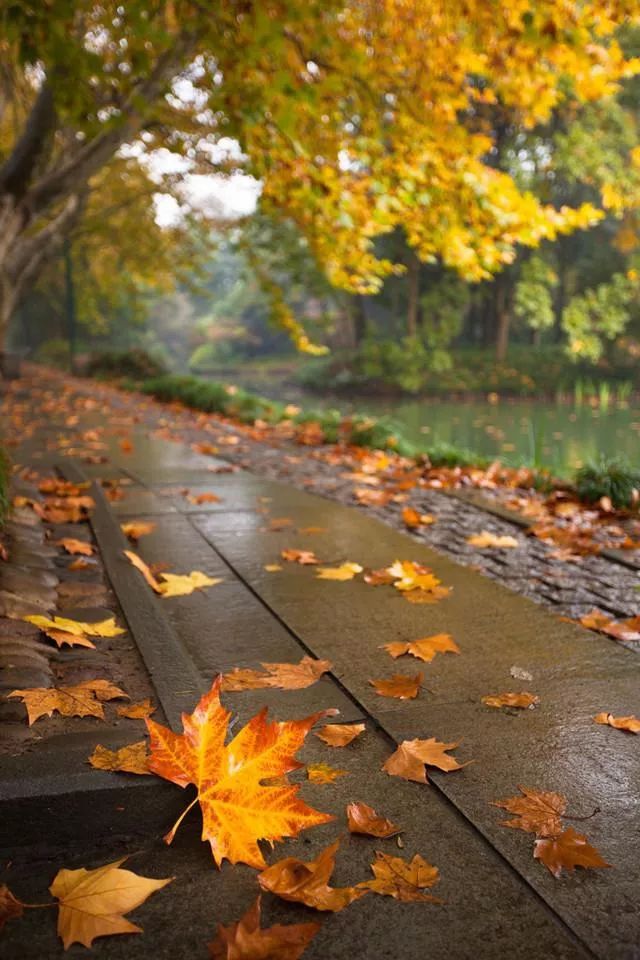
379	726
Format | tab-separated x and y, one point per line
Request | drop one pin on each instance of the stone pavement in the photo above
499	901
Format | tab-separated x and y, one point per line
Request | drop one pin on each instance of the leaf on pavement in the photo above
272	567
286	676
238	810
308	531
10	907
323	773
140	565
135	529
395	877
631	724
307	882
137	711
424	649
71	545
522	701
200	498
537	811
566	852
103	628
305	557
346	571
279	523
173	584
130	759
408	575
82	700
340	734
413	519
362	818
92	903
245	940
399	685
487	539
409	760
595	620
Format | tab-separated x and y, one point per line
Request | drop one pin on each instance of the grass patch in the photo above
615	479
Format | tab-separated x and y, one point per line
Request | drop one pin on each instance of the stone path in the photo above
499	901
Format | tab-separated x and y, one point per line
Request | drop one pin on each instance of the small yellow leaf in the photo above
346	571
323	773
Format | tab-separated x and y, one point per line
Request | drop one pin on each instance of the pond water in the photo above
560	436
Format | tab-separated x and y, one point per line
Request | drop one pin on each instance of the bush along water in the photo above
614	479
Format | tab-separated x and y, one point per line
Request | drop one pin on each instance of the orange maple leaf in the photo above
409	760
299	556
286	676
82	700
631	724
412	518
247	940
362	818
399	686
522	701
537	811
424	649
568	851
395	877
71	545
237	809
340	734
130	759
307	882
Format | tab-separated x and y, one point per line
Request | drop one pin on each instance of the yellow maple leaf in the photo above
346	571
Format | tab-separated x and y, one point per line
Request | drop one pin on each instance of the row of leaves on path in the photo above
92	903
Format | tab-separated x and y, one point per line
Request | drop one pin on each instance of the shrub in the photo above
135	364
54	353
447	455
614	479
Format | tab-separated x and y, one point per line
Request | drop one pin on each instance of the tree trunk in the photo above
503	319
413	276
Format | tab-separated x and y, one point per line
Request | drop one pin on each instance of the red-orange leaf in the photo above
409	760
631	724
286	676
522	700
299	556
568	851
71	545
400	686
363	819
237	809
307	882
10	907
245	940
412	519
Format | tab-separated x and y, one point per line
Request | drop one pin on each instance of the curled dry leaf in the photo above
286	676
10	907
200	498
395	877
307	882
82	700
323	773
346	571
400	686
135	529
363	819
92	903
238	809
412	519
304	557
245	940
137	711
566	852
537	811
424	649
487	539
340	734
522	701
130	759
631	724
409	760
74	546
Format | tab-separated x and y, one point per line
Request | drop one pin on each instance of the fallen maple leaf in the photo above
346	571
632	724
204	498
307	882
427	596
523	700
92	903
79	564
140	565
137	711
625	630
237	809
568	851
595	620
10	907
286	676
272	567
400	686
135	529
130	759
323	773
394	877
363	819
82	700
424	649
412	576
245	940
279	523
409	760
487	539
299	556
537	811
378	577
340	734
372	498
173	584
126	445
75	546
412	519
102	628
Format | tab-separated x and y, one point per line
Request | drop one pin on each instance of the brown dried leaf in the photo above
424	649
537	811
10	908
522	701
568	851
409	760
245	940
400	686
340	734
82	700
394	877
428	596
135	529
137	711
363	819
307	882
323	773
71	545
130	759
286	676
632	724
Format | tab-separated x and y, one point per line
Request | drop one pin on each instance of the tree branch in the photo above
17	171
